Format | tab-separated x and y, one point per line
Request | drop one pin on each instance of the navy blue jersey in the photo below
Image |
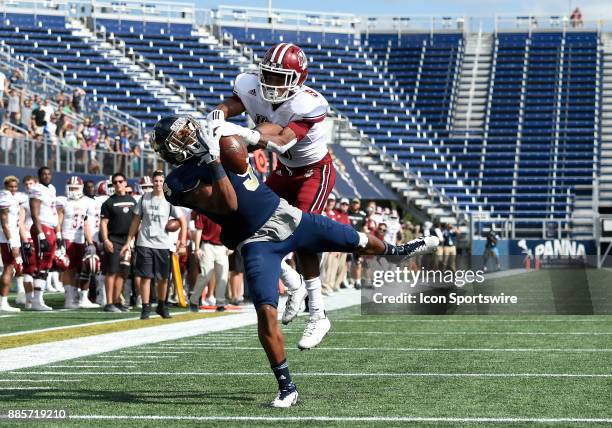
256	201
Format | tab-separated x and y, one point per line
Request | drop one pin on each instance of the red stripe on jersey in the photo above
315	119
300	128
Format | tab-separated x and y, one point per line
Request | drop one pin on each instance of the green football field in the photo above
370	370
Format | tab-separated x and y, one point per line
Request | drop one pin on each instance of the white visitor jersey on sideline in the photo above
24	202
47	197
9	202
95	218
307	105
75	214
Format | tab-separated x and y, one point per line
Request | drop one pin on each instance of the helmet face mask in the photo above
277	84
175	139
74	188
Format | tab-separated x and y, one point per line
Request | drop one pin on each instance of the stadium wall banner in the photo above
514	252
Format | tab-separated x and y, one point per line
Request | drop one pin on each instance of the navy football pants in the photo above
262	260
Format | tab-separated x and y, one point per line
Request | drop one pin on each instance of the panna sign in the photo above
560	248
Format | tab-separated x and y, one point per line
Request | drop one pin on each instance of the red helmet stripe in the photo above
276	58
284	51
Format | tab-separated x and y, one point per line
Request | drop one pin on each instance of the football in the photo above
173	225
234	155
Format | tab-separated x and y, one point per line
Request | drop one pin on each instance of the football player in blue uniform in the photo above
259	224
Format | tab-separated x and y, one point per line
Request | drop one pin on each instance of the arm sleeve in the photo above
104	210
300	128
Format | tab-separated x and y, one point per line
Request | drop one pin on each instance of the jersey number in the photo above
251	183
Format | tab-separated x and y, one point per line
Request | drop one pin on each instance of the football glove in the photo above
215	119
43	244
209	141
250	136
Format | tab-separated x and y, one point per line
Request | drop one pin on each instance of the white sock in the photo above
291	279
3	301
20	288
84	296
69	291
38	296
315	298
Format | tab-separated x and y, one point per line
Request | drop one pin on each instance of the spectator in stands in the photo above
4	84
450	234
78	100
13	105
115	219
152	246
576	18
48	109
136	159
26	113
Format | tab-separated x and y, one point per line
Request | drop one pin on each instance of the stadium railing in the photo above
24	152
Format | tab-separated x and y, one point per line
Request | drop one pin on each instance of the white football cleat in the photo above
316	329
295	303
8	308
285	399
40	306
87	304
20	299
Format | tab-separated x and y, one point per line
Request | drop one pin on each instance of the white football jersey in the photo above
9	202
95	218
307	105
75	214
24	202
47	197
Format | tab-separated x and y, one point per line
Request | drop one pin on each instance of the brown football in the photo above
173	225
234	155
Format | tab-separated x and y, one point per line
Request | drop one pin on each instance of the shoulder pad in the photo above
244	83
309	104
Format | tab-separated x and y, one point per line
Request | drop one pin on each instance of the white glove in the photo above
215	119
209	141
250	136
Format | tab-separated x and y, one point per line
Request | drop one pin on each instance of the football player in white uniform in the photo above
45	230
74	210
27	246
10	243
305	175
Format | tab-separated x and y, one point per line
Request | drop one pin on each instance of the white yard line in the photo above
52	352
91	366
344	419
442	333
333	374
39	380
485	319
389	349
20	388
64	327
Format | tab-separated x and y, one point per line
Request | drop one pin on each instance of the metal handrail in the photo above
31	60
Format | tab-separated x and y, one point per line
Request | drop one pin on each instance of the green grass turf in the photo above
31	320
232	395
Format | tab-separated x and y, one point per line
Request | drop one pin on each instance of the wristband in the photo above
216	171
251	137
42	236
14	242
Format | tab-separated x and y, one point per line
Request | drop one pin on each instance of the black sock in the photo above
283	377
146	307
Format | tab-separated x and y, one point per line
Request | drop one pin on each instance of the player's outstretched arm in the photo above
229	107
218	197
